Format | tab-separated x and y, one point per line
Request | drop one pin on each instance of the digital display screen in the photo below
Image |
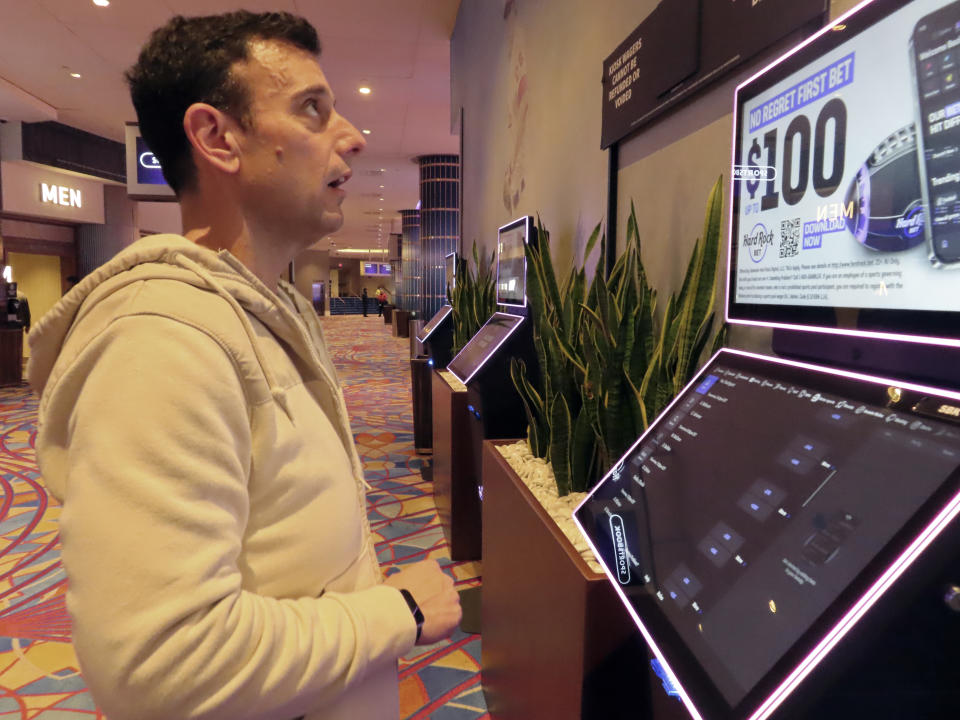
427	330
483	345
149	171
512	262
768	498
145	179
450	270
846	178
372	268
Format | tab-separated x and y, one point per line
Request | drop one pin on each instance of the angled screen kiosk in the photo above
433	350
483	365
785	534
436	336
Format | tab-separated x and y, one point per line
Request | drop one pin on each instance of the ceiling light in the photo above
383	169
365	131
363	90
101	3
381	186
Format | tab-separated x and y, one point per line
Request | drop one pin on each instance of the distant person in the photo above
214	529
381	300
23	311
363	301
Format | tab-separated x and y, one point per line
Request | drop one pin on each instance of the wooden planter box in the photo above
557	642
455	488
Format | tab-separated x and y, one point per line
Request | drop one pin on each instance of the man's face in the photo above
296	148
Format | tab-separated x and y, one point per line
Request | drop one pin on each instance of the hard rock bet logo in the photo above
910	224
757	241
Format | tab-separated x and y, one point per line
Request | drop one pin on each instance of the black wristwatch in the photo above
415	611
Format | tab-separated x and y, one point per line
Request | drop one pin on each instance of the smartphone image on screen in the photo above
934	50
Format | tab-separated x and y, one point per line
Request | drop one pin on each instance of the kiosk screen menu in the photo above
427	330
483	345
846	178
759	508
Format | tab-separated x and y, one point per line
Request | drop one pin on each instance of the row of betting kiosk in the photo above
486	405
784	535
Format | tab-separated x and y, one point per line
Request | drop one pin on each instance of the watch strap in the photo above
414	610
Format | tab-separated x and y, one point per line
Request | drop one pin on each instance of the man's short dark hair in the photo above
188	60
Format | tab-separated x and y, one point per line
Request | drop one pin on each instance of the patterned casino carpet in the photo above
38	668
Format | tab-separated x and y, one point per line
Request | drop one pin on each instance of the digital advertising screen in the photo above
846	178
483	345
450	273
374	268
145	179
512	262
764	512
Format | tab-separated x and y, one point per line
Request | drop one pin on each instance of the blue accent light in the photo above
668	685
430	362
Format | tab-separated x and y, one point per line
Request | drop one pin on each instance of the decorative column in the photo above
439	225
409	295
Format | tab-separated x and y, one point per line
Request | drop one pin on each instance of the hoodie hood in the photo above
173	257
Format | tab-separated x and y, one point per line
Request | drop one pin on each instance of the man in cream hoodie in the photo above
214	526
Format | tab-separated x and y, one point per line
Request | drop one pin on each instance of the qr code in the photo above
789	237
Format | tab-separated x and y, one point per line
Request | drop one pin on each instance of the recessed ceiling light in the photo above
101	3
381	186
364	90
383	169
75	75
365	131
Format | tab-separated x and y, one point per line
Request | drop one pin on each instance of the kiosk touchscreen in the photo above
483	345
744	574
437	336
512	262
846	179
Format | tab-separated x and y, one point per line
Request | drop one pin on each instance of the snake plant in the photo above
473	297
610	363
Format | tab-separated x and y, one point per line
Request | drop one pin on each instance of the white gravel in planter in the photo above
537	475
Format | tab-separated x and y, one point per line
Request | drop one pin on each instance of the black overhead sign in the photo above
683	46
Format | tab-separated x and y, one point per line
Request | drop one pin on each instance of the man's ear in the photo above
212	133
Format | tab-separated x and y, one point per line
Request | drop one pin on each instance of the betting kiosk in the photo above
785	534
434	342
493	408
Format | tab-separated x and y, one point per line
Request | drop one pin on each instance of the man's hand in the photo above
434	592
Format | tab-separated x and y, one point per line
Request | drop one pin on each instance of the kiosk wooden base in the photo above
421	381
454	479
557	642
401	323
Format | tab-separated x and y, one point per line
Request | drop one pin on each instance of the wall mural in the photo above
514	181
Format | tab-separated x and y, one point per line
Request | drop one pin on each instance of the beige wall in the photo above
37	277
667	168
530	88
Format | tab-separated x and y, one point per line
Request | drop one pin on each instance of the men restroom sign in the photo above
60	195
